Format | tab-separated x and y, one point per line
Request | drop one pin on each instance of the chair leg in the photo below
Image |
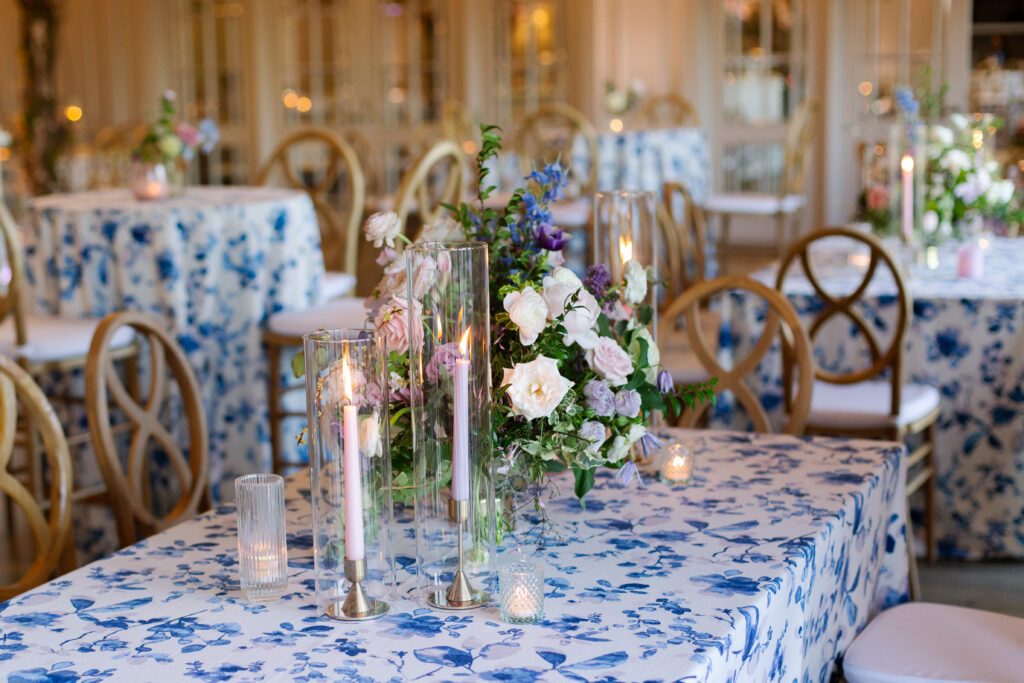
274	404
915	583
929	497
723	238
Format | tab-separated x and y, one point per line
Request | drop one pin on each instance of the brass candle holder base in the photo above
357	606
460	594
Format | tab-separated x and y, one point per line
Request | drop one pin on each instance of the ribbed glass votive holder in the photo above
262	549
521	589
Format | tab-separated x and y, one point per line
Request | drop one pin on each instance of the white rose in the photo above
610	362
558	287
999	193
635	433
536	388
959	121
619	449
955	160
382	228
528	311
929	222
982	180
635	277
941	135
369	436
580	321
444	229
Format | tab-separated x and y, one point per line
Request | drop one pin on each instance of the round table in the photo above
967	340
213	263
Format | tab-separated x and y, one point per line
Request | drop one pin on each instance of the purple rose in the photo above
443	355
597	280
665	384
627	403
549	237
599	397
594	432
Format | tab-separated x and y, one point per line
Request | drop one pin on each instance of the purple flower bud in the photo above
665	384
627	403
599	397
549	237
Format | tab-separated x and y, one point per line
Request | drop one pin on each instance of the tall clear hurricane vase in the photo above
450	379
262	550
350	473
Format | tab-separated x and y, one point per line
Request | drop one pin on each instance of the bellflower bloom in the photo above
627	473
599	397
665	384
649	442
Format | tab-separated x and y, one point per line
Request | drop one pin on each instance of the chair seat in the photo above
752	204
920	641
53	338
337	284
865	405
340	313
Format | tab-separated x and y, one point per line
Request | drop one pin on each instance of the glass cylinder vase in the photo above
149	181
350	471
625	230
450	381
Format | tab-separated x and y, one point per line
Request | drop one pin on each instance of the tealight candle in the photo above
262	552
859	259
678	468
521	588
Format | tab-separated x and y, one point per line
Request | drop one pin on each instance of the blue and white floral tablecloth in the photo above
763	569
967	340
213	264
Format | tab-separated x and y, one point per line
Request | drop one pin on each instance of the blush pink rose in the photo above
878	197
392	321
610	361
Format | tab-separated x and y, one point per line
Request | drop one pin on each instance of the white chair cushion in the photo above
340	313
865	405
337	284
920	641
52	338
753	204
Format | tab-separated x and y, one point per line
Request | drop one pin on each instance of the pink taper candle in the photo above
460	446
907	164
353	489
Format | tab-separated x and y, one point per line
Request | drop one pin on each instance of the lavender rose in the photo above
627	403
599	397
594	432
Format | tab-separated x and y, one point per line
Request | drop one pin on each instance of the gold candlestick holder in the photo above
357	606
460	594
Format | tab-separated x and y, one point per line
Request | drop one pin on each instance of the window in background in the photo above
764	79
997	78
530	55
211	44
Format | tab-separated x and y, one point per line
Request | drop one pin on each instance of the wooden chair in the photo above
128	489
667	111
337	162
780	320
52	533
44	345
418	189
872	402
548	133
459	124
787	205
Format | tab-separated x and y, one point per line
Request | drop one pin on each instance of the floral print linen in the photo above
763	569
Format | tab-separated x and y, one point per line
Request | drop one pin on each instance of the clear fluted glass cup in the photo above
262	546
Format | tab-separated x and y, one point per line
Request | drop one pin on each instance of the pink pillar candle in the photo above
971	261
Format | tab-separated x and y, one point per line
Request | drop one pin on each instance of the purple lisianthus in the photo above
665	384
549	237
627	403
599	397
597	280
594	432
444	355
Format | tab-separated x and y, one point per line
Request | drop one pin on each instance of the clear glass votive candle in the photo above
262	549
521	590
677	464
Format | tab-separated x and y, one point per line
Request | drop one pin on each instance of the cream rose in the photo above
610	361
559	286
382	228
635	277
369	436
535	388
580	320
528	311
618	450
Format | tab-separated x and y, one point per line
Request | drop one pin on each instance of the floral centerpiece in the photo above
620	101
172	144
576	374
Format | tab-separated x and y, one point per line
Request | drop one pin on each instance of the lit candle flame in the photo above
678	461
464	342
907	164
625	250
346	377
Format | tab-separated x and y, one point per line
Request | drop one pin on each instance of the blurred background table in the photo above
212	263
967	340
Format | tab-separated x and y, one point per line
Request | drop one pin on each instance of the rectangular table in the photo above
764	568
